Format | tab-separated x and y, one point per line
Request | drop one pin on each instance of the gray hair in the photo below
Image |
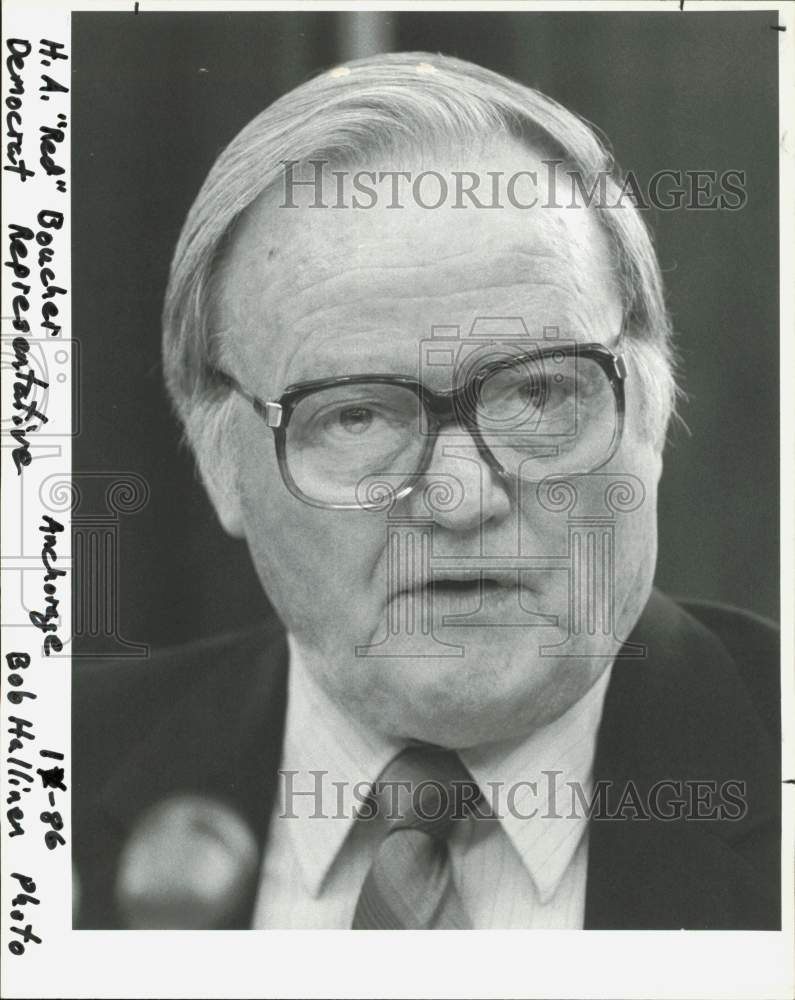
377	105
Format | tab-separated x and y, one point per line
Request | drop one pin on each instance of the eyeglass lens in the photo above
540	417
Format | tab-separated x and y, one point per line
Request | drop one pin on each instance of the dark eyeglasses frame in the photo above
442	408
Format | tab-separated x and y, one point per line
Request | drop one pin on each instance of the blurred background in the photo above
155	98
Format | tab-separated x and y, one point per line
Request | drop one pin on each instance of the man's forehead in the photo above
270	221
288	221
311	272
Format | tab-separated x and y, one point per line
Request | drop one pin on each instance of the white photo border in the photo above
71	963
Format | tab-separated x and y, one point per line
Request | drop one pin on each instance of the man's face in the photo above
313	293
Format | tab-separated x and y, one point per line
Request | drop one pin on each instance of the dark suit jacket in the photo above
702	705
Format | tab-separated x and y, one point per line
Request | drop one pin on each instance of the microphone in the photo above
189	864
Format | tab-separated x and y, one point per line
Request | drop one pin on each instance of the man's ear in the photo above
207	432
225	498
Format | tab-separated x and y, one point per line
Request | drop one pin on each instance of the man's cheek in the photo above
635	562
313	561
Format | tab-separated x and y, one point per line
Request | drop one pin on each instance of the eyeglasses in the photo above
553	411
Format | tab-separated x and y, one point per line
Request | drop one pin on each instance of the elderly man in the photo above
431	393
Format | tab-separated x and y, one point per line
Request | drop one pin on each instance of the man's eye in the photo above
532	392
355	419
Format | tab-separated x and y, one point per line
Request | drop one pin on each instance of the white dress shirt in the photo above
510	872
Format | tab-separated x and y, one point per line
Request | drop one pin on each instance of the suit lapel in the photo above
221	741
680	715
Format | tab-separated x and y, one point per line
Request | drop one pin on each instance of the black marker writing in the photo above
49	619
19	50
30	416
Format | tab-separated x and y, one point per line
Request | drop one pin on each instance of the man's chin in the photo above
474	687
457	643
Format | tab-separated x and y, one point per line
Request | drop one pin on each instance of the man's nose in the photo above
460	490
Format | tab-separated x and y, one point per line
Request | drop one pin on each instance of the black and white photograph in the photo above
399	449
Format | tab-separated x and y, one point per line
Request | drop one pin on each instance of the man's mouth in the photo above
473	585
459	586
474	582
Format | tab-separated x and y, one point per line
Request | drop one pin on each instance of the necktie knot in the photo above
425	788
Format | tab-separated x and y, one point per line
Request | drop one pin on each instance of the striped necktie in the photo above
421	793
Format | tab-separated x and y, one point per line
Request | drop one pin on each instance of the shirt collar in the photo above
327	753
530	783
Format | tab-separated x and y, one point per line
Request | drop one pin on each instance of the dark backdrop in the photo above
157	95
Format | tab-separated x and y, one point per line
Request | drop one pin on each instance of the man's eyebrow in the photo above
331	369
328	365
333	360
